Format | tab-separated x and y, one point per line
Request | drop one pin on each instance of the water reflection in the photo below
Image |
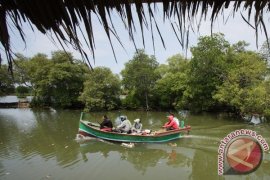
23	119
142	156
26	134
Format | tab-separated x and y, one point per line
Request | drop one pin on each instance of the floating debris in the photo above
48	176
66	147
81	138
52	110
173	144
128	145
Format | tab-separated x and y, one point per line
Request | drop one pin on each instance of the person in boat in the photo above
175	119
125	126
137	126
171	124
106	124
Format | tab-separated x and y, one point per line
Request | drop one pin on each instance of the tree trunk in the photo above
146	101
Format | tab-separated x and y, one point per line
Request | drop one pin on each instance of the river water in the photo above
40	144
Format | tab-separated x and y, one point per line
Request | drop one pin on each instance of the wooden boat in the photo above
87	128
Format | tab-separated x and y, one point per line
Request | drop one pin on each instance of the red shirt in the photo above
172	124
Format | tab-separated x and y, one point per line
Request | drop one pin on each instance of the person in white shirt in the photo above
125	126
137	126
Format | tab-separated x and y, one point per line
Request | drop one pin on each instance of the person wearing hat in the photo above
137	126
171	124
125	126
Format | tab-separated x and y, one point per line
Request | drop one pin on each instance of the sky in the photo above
235	29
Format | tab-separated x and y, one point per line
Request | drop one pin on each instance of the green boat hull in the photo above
89	129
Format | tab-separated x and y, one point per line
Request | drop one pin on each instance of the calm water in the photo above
41	145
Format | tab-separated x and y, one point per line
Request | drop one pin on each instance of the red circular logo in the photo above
244	155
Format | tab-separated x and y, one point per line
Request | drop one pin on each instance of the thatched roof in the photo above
63	17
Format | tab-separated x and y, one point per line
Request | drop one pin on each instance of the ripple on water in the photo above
197	142
201	137
68	164
8	152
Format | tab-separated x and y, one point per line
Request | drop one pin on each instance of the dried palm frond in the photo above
63	18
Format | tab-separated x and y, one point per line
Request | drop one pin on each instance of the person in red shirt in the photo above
171	124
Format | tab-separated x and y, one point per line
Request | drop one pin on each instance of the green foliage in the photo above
22	91
6	81
207	68
265	51
244	88
131	101
57	81
101	90
66	78
169	88
139	77
218	76
240	46
266	98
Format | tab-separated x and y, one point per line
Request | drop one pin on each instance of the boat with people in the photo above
90	128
